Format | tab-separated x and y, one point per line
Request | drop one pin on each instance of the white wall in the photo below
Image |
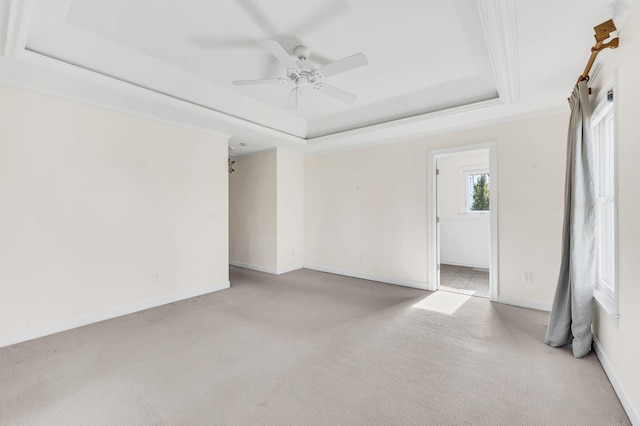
466	242
620	346
266	211
366	208
290	187
465	238
94	204
253	212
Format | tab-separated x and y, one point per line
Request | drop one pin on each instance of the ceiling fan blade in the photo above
340	94
320	60
258	16
260	81
292	102
321	16
281	55
342	65
209	42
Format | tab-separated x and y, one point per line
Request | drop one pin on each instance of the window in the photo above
474	190
604	134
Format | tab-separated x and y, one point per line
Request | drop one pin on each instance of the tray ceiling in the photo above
428	60
418	62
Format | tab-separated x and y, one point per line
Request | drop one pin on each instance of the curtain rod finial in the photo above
604	30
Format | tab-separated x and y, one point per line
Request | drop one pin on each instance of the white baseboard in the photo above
289	269
266	269
632	412
524	303
367	276
466	265
57	327
253	267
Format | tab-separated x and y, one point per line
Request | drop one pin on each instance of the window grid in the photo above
469	178
604	146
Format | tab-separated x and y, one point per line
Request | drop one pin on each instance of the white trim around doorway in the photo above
432	257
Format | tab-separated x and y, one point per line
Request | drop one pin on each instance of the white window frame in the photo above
465	172
604	126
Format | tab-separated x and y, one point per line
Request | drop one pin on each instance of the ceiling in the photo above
432	64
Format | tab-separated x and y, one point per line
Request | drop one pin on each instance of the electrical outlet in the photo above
361	258
156	277
527	277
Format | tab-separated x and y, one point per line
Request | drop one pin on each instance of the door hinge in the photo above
437	172
437	219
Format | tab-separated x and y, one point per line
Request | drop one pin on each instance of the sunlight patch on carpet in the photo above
442	302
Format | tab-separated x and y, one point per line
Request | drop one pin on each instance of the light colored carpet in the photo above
307	348
464	280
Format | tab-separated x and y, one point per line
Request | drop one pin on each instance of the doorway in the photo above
462	220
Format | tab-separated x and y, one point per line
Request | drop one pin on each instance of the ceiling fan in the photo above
304	76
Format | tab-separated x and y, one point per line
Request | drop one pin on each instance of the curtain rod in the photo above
603	31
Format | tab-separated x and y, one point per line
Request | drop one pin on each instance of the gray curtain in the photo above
572	311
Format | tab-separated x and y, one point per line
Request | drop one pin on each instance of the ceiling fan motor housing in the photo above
304	77
302	52
303	74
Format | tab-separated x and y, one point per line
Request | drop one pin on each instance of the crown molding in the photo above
37	72
5	26
501	31
131	91
109	93
454	125
34	72
253	153
13	18
127	94
62	80
416	120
